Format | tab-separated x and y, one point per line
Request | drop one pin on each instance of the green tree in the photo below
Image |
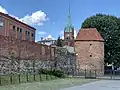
59	42
109	28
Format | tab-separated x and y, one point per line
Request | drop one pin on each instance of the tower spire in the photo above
69	26
69	17
69	9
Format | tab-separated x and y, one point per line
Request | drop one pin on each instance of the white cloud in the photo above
37	18
3	10
41	32
62	37
35	40
62	34
75	33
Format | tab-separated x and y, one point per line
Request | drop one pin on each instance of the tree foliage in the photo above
59	42
109	28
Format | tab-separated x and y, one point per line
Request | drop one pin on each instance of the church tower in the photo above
69	32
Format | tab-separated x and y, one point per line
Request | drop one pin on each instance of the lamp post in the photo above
112	71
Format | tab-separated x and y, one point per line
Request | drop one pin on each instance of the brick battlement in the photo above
25	49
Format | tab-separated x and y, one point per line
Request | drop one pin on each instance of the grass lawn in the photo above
48	85
23	78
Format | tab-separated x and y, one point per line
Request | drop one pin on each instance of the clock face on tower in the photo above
68	35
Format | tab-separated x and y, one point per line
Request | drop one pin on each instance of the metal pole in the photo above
27	76
34	69
11	78
0	80
19	78
90	73
85	73
95	73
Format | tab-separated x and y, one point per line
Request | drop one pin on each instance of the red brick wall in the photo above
90	55
7	29
25	49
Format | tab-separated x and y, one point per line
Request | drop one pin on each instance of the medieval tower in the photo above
89	46
69	32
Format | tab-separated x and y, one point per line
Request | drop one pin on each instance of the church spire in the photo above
68	27
69	17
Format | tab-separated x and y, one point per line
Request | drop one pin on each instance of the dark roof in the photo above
6	15
89	34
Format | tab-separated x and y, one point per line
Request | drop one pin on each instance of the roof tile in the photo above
89	34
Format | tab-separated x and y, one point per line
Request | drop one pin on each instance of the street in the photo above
98	85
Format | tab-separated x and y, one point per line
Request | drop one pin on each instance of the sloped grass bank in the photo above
48	85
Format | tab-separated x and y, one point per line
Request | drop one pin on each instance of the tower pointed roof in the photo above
68	27
69	17
89	34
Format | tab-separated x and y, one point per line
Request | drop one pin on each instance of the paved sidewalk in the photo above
98	85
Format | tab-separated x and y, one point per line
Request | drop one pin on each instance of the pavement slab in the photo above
98	85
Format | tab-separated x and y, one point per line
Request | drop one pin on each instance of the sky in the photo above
49	17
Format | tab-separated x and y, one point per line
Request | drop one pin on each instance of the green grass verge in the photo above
48	85
23	78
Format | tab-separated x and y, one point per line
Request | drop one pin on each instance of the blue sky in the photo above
52	14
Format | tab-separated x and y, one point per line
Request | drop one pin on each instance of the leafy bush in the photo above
55	72
43	71
58	73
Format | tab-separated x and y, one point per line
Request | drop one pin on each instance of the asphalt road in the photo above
98	85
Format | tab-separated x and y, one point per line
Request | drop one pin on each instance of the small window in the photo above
68	38
13	28
17	29
90	44
32	35
90	55
1	23
28	33
20	30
